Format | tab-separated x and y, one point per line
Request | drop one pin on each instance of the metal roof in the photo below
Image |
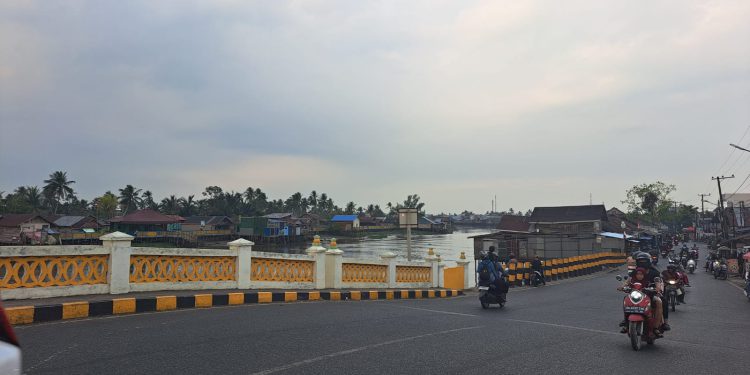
68	221
564	214
344	218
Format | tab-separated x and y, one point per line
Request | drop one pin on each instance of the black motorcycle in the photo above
490	293
536	279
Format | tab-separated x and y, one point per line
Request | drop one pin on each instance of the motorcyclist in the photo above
496	277
643	260
538	266
639	276
671	273
684	251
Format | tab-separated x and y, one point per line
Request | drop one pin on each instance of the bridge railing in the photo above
116	267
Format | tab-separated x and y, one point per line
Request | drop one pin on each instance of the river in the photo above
449	246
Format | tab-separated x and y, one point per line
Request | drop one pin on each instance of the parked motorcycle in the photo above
747	285
536	278
691	266
638	312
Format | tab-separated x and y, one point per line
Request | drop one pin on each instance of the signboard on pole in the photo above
407	217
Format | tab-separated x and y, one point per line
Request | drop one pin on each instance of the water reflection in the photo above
449	246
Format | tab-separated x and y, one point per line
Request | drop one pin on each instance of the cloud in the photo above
373	101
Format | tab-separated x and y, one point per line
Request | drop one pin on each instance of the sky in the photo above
540	103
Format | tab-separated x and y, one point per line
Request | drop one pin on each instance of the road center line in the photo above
438	311
359	349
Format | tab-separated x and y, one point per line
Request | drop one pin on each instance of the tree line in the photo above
57	196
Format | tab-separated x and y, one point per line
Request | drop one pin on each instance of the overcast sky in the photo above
539	102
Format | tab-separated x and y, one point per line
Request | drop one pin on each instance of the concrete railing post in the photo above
391	259
435	269
118	244
318	253
462	262
334	263
243	250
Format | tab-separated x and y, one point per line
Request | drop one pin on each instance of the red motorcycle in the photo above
639	314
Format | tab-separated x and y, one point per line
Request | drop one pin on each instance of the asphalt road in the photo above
569	328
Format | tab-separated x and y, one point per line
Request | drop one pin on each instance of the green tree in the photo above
105	206
33	198
58	189
170	206
147	201
649	200
188	206
130	199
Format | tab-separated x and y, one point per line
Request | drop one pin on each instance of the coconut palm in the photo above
170	205
188	206
312	200
33	197
58	189
130	198
148	201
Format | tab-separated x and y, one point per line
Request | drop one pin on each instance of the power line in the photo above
740	187
731	153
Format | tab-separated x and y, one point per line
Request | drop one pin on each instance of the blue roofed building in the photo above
345	222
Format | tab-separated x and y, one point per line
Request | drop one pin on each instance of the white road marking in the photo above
437	311
359	349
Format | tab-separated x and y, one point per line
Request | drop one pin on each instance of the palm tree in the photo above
105	206
130	198
58	188
170	205
33	197
148	201
350	207
312	200
187	206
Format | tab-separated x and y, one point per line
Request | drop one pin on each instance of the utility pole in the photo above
722	218
703	211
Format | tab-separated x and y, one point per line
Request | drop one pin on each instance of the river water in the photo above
449	246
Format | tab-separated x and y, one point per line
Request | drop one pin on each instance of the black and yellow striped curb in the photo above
117	306
564	268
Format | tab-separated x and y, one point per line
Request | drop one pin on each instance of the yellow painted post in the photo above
165	303
20	315
335	296
290	296
236	298
72	310
313	296
123	305
373	295
355	295
389	294
265	297
203	300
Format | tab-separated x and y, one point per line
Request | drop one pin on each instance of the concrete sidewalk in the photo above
61	308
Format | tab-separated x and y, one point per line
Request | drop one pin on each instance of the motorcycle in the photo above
673	290
536	279
691	266
489	294
747	285
720	270
664	253
638	312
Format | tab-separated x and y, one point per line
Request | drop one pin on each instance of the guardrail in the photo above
116	267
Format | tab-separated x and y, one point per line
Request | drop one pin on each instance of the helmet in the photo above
643	260
671	267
